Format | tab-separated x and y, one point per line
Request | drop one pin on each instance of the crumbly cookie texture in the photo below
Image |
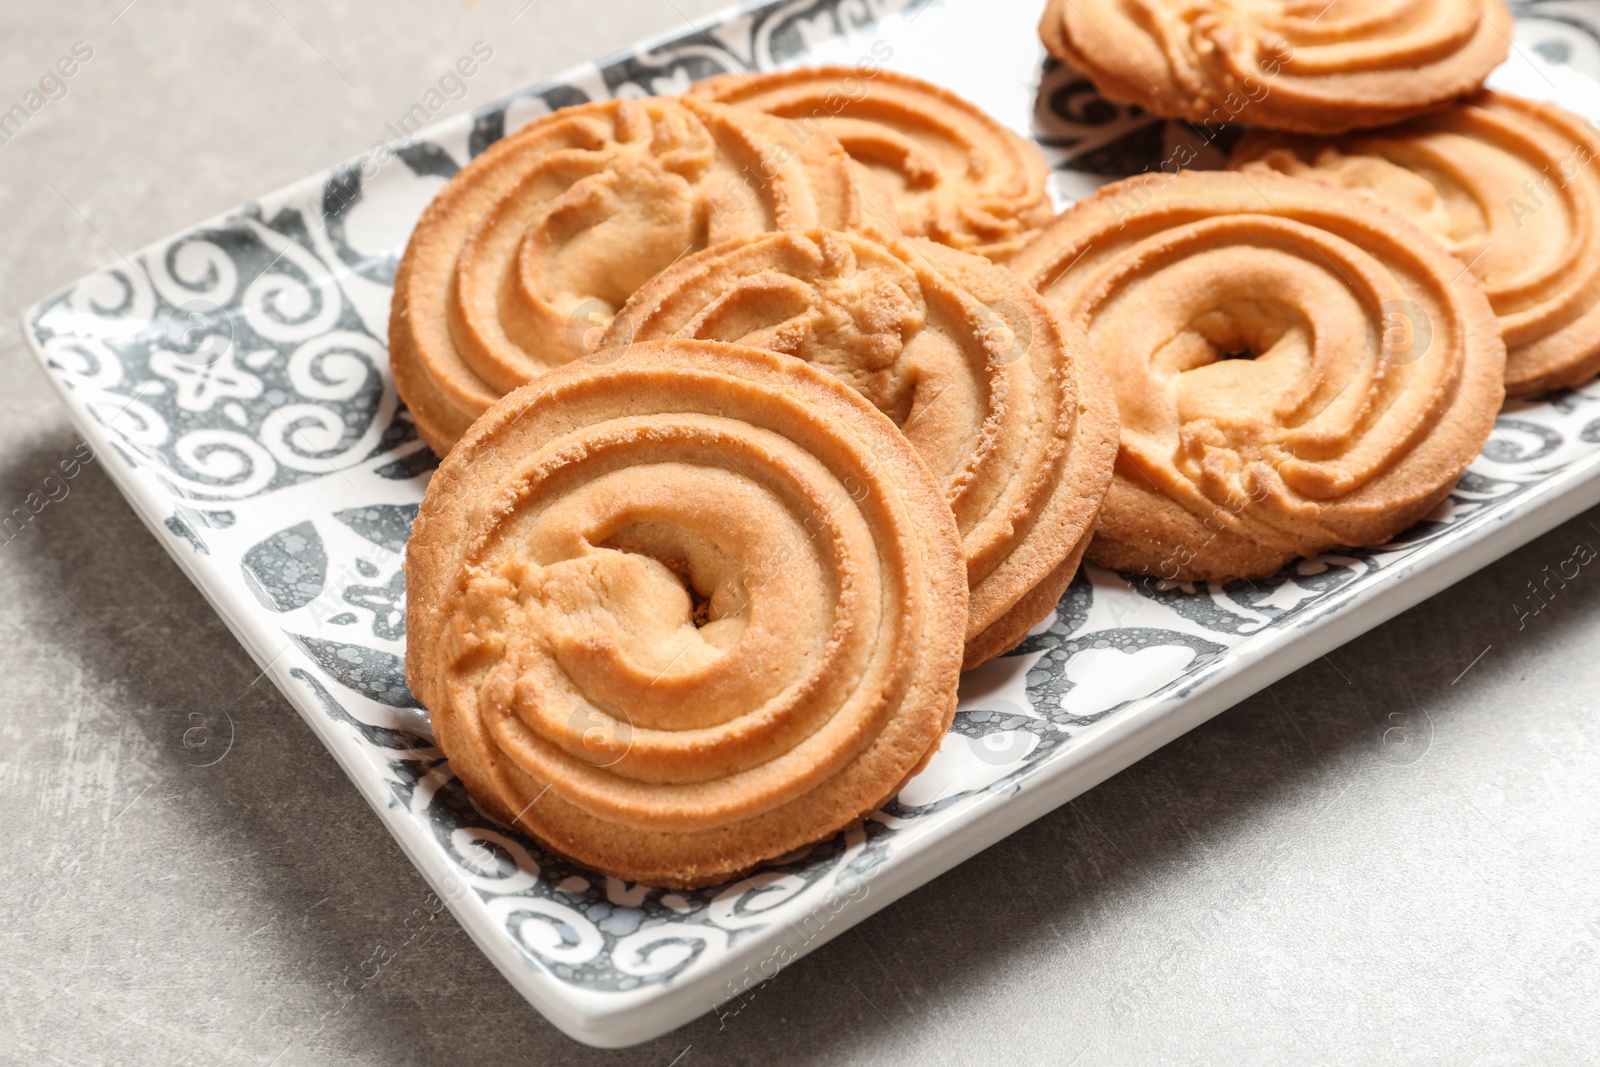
938	166
1003	403
1295	368
685	611
1512	188
1282	64
519	263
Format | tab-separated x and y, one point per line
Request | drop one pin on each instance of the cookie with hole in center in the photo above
1295	368
684	611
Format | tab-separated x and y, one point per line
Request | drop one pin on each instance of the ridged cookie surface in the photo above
518	264
1310	66
1004	404
684	611
930	163
1295	368
1512	188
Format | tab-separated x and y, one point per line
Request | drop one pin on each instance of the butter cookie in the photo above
1508	185
930	163
1295	369
685	611
520	261
1308	66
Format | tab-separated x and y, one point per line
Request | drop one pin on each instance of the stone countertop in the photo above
1280	885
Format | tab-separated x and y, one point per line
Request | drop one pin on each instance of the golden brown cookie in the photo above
518	264
684	611
933	165
1309	66
1005	406
1511	187
1295	368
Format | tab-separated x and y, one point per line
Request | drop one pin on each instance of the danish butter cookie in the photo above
1295	368
1006	406
1309	66
685	611
1511	187
519	262
931	164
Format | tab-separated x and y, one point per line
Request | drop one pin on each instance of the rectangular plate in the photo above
236	377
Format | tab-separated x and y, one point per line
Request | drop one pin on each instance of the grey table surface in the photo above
1284	884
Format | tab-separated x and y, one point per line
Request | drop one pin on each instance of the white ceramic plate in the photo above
235	379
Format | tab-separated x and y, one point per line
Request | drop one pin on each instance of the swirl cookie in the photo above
1308	67
931	164
1510	187
1295	369
520	261
1010	413
685	611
